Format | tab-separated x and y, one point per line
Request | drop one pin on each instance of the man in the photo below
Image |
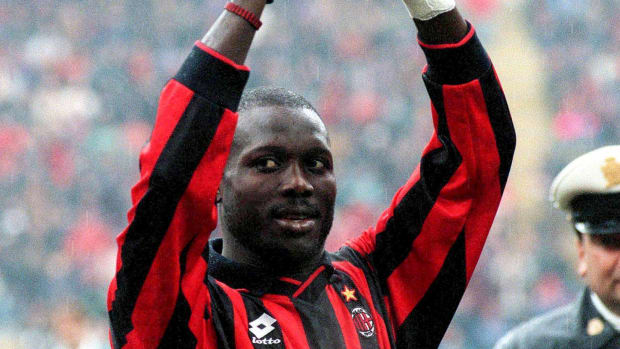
588	189
268	283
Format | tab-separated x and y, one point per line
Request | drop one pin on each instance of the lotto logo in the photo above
262	327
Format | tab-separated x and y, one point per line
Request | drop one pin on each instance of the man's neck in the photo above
236	251
612	317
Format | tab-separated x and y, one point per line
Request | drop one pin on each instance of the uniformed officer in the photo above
588	189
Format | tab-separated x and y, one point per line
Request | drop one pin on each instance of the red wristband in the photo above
245	14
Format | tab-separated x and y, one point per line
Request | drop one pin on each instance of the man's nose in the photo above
295	182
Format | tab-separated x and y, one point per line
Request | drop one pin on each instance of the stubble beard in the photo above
248	229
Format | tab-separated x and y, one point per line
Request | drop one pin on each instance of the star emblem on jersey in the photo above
364	324
348	294
611	171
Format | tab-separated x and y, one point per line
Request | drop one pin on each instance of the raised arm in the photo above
425	246
231	35
150	303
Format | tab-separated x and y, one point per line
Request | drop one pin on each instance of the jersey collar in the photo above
259	281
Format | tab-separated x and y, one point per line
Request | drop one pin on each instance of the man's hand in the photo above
427	9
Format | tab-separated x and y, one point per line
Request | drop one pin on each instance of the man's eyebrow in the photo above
280	150
266	149
319	150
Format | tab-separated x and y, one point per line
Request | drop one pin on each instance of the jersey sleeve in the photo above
173	210
425	246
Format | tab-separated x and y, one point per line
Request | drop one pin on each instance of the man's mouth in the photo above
295	217
297	220
297	225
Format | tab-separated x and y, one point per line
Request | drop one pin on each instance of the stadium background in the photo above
79	82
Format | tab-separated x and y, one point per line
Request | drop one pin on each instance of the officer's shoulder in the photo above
544	331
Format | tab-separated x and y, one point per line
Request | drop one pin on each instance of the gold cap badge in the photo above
611	171
595	327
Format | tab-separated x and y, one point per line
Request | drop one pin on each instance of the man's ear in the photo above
582	266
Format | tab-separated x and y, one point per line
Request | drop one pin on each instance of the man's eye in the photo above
317	164
266	164
270	164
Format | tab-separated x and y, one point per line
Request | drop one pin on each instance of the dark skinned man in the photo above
263	164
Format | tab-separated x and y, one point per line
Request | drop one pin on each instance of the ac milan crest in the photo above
363	322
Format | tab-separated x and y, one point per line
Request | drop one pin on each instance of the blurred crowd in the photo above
79	83
581	41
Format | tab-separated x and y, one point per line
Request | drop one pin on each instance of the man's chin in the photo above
291	250
612	299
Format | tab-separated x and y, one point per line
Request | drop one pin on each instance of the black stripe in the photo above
212	78
171	175
320	323
457	65
255	309
436	168
223	315
499	116
178	334
428	322
186	146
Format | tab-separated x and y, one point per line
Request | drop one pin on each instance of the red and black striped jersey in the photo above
397	285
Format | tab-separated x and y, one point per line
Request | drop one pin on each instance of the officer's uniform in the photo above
588	189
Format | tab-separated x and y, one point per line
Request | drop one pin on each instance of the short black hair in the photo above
273	96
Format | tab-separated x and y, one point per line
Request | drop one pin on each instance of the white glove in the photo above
427	9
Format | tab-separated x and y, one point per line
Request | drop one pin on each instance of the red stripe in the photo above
209	337
284	312
359	279
308	281
488	187
193	287
172	104
452	45
203	187
343	316
240	316
477	226
290	281
220	56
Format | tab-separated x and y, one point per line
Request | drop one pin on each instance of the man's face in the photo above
599	265
278	189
